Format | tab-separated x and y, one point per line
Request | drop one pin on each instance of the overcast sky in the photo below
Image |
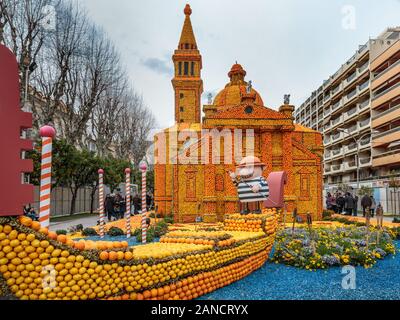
286	46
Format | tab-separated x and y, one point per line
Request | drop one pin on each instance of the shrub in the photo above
89	232
64	232
327	213
149	235
154	215
169	219
115	232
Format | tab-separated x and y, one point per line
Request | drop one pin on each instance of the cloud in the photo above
158	65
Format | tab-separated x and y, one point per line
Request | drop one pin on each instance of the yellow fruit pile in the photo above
33	266
250	225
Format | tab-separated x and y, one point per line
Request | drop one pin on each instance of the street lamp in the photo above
357	141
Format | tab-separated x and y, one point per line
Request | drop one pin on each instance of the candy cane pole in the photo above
143	168
101	202
47	133
128	201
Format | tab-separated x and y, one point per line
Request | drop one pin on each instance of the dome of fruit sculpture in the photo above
232	93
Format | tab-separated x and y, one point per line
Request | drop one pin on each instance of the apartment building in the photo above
348	109
385	109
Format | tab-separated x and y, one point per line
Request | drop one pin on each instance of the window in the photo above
182	120
181	95
186	68
192	69
187	46
180	68
182	109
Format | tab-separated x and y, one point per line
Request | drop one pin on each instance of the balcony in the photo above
337	105
353	128
365	162
350	165
387	137
386	158
350	148
336	168
364	124
336	90
327	97
327	112
350	114
364	67
327	155
327	126
327	170
364	87
327	140
385	75
337	153
365	143
336	122
350	79
350	96
337	136
386	116
364	105
386	95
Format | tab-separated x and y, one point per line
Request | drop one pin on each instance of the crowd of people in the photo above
347	204
115	205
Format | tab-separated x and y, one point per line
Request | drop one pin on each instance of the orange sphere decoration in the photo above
62	238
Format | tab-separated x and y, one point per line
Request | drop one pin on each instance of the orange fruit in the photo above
26	221
104	255
35	225
120	255
128	255
52	235
44	230
146	294
62	238
112	255
139	296
154	293
79	245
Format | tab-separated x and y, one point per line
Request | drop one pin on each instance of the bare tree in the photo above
22	30
56	59
132	138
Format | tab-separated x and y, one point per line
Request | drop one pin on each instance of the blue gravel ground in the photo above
280	282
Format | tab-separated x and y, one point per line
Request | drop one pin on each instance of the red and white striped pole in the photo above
128	201
101	202
143	168
47	133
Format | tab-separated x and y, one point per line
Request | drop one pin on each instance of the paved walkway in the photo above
87	221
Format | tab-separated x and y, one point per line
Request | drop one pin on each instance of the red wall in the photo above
13	194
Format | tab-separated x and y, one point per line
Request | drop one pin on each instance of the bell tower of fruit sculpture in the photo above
187	82
14	192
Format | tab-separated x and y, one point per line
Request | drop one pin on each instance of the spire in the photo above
188	40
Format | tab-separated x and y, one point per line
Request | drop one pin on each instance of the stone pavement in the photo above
87	221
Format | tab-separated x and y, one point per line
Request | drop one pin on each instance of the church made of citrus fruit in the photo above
190	182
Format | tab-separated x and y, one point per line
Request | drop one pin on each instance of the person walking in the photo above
373	206
366	202
328	201
349	200
340	203
137	202
355	210
109	207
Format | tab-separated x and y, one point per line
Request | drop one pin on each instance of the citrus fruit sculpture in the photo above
38	264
